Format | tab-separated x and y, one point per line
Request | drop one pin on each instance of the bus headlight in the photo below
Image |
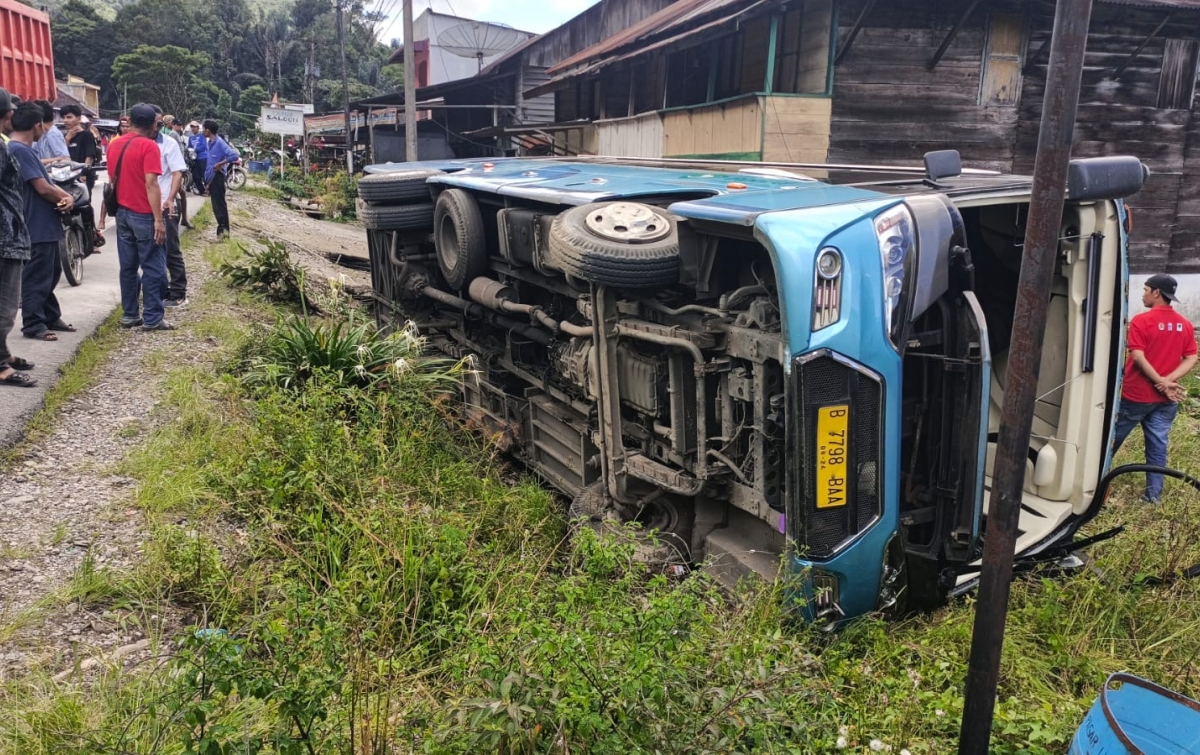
895	232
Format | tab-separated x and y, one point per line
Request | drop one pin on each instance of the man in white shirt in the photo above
170	184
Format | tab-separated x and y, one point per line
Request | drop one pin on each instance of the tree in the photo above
171	77
83	45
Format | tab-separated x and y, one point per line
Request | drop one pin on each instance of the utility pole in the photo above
410	86
1059	107
341	35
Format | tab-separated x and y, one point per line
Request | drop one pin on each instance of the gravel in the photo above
64	509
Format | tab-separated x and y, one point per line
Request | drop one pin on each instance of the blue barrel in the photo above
1132	715
259	166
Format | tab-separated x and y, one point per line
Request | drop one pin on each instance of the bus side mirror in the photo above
1105	177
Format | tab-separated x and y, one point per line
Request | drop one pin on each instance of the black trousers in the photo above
39	305
198	167
176	272
216	195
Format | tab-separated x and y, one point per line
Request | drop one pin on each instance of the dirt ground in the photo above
335	251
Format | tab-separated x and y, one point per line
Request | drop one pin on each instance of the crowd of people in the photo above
145	197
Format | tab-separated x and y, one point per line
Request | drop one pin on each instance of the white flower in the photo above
362	349
905	752
876	745
939	713
360	370
841	743
402	365
843	730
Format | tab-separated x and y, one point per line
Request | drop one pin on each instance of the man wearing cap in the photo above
199	156
6	117
14	252
141	230
1162	349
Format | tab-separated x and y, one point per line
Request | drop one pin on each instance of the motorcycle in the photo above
235	176
79	223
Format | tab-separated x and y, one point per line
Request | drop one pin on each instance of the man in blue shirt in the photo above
14	251
52	146
220	155
42	201
199	157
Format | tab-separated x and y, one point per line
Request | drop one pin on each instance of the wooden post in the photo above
1059	107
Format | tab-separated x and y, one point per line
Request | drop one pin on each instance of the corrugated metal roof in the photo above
674	15
1163	4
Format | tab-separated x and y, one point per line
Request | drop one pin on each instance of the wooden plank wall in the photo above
639	136
889	108
1122	117
795	129
732	127
814	46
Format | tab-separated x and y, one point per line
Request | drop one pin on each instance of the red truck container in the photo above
26	57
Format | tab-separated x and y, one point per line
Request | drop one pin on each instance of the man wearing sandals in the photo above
43	203
14	251
141	231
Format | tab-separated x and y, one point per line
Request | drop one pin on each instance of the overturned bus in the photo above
768	366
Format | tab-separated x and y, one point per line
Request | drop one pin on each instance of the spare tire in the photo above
459	238
399	187
624	244
412	217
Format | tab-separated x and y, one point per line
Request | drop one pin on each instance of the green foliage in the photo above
248	43
337	199
268	272
170	77
386	583
335	189
345	353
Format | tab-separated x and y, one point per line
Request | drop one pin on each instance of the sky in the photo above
535	16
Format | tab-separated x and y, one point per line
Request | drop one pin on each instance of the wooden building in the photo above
884	81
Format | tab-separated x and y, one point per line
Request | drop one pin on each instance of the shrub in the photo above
347	353
268	272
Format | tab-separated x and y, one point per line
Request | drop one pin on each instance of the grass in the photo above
366	577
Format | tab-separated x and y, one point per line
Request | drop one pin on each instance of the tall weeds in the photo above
400	589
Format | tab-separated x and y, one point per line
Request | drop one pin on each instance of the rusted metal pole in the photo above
1059	107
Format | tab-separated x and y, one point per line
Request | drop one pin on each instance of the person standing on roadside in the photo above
6	118
14	253
170	184
1162	349
51	147
175	131
220	155
83	149
199	157
135	163
42	204
81	144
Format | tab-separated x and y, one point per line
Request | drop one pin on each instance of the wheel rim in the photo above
661	515
447	245
629	222
75	254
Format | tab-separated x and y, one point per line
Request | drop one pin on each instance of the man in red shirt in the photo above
1162	349
134	165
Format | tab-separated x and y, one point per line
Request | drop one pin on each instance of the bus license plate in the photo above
832	447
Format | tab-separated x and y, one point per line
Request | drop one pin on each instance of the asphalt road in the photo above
85	306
